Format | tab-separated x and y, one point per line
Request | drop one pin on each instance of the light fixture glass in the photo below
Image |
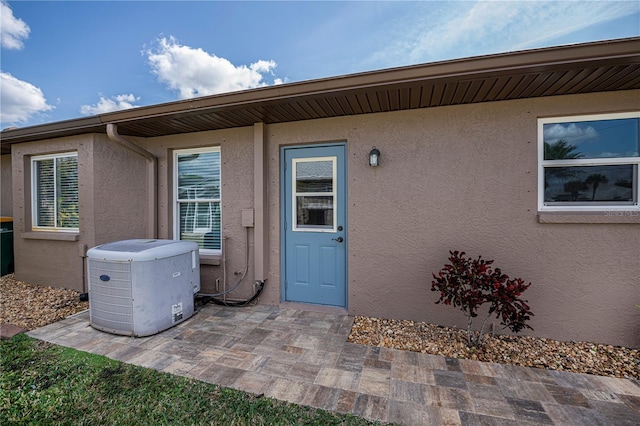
374	156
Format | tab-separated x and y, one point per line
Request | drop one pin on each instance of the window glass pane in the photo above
44	193
67	192
590	184
315	212
199	176
592	139
198	190
56	192
200	222
314	176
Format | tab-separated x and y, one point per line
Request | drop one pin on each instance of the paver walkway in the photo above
303	357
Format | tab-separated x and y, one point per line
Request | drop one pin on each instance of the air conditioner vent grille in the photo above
111	294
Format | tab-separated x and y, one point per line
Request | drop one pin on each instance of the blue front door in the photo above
314	224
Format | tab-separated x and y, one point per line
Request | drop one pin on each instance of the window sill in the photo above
210	259
616	216
54	236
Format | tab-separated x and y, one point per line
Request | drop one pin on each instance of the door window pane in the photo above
314	176
315	212
314	194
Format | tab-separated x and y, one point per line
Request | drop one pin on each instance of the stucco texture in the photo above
465	178
451	178
118	208
237	193
6	205
111	207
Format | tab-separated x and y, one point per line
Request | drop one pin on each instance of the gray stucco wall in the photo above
465	178
237	193
119	209
459	177
6	205
112	184
46	258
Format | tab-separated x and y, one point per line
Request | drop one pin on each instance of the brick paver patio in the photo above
303	357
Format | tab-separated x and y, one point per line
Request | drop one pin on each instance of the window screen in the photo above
55	192
198	211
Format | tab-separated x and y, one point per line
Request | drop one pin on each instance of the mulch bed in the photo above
30	306
577	357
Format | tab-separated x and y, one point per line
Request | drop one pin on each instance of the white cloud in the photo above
12	30
20	100
114	103
572	133
459	29
194	72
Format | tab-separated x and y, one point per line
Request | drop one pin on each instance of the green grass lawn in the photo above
41	383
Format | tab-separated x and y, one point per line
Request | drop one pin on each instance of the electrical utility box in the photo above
142	287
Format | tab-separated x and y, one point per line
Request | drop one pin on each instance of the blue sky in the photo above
63	60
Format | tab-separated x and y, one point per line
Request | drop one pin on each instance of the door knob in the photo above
339	239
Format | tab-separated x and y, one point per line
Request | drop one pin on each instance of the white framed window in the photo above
197	184
589	163
54	192
314	194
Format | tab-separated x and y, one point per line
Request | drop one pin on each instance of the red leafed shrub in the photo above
470	283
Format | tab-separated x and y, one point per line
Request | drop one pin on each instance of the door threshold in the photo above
335	310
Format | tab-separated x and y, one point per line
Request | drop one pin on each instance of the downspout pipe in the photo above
152	177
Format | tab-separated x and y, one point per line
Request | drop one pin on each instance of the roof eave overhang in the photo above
583	56
538	60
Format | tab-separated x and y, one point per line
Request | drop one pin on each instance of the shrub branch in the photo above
470	283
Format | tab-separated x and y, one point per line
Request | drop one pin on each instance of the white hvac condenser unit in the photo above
142	287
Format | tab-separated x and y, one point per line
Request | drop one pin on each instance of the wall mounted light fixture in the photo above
374	157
